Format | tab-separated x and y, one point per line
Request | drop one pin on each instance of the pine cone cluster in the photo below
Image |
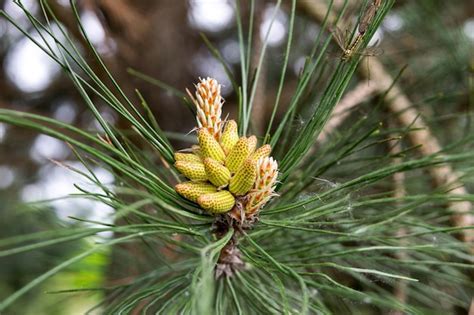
226	172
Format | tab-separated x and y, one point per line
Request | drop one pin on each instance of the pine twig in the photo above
428	144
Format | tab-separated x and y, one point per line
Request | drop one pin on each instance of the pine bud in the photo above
264	187
192	170
208	103
190	157
261	152
244	178
230	136
218	202
238	154
192	190
209	146
217	173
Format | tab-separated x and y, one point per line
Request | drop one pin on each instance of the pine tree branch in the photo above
399	103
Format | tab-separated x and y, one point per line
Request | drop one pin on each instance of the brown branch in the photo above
401	286
399	103
444	175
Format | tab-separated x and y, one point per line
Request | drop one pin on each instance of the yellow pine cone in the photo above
238	154
217	173
209	146
192	190
261	152
230	136
192	170
264	186
244	178
252	143
208	103
218	202
190	157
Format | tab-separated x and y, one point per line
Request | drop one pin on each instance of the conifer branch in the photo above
398	102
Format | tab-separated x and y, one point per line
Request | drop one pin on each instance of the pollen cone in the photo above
261	152
217	173
218	202
230	136
192	170
209	146
238	154
252	143
244	178
190	157
192	190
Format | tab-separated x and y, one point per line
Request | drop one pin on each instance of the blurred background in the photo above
161	39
